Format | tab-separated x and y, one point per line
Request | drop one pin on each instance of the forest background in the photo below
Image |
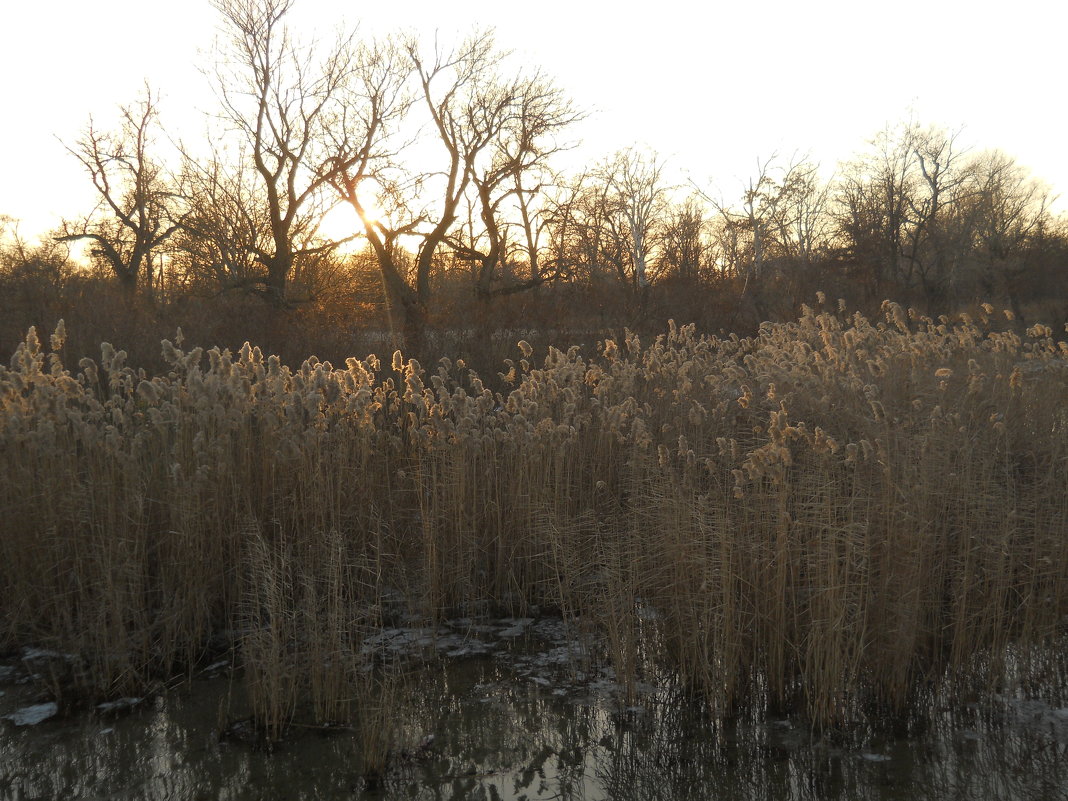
358	194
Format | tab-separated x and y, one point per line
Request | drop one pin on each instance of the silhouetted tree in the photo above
225	239
491	133
638	195
523	118
285	102
1009	213
687	249
589	238
139	207
937	233
904	212
873	199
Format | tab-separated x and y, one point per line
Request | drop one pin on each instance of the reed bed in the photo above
836	515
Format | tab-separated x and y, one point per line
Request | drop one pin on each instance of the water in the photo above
519	711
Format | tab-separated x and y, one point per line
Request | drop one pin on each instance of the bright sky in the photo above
710	86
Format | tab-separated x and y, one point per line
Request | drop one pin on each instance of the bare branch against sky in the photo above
711	88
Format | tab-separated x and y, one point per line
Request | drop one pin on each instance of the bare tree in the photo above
1009	208
226	236
461	129
509	178
904	209
1010	203
28	268
491	134
590	238
873	198
799	213
781	219
936	234
638	194
534	202
686	246
138	208
283	100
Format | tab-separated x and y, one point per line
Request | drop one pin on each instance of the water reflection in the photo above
501	734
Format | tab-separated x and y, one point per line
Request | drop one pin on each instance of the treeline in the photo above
464	225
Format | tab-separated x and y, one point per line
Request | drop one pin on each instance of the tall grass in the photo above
835	515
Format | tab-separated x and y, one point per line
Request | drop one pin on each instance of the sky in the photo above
711	87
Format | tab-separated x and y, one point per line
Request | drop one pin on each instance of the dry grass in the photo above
835	514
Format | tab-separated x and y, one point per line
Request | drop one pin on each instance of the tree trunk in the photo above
278	269
414	330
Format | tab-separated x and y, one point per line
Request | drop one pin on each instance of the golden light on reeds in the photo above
836	514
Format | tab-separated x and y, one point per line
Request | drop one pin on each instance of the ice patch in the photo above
875	757
32	715
44	653
119	704
474	648
516	626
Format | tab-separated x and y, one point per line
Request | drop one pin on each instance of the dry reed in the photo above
835	515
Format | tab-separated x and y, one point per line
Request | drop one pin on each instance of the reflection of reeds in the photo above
268	647
834	514
377	729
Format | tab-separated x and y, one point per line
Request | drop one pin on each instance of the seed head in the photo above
59	336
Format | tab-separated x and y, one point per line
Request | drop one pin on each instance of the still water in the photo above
514	710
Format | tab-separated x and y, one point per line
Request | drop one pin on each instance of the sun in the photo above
341	222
